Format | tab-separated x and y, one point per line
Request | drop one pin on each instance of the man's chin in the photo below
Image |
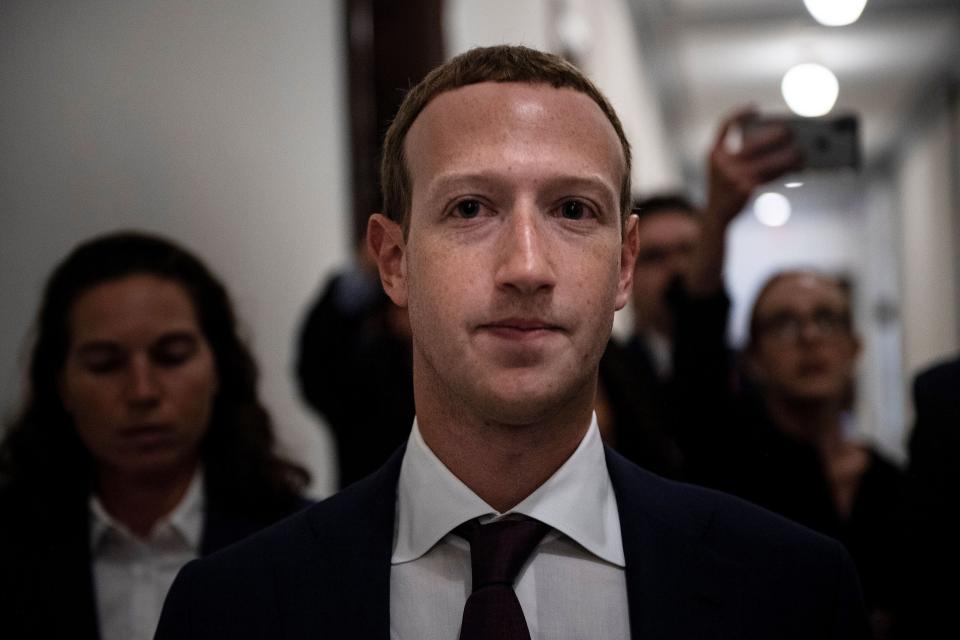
521	406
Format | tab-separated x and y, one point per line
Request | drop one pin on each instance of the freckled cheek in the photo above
596	276
444	288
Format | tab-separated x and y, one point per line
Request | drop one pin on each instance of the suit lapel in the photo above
677	587
339	586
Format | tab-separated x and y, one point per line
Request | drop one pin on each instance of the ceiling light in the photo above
810	89
835	13
793	185
772	209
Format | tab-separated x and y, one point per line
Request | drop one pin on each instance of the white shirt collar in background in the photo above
660	348
131	575
185	521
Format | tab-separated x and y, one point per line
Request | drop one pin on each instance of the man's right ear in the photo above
385	238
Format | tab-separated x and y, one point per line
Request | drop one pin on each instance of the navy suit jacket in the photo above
931	553
699	565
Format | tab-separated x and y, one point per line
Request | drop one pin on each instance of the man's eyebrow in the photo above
452	181
591	182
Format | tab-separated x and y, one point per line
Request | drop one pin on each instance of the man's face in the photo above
514	262
667	240
804	349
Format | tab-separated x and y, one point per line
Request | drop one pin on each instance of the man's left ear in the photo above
385	238
629	247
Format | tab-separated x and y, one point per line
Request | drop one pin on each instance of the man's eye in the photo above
467	209
573	210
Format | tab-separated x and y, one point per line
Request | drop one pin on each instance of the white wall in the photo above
927	181
881	397
220	125
468	24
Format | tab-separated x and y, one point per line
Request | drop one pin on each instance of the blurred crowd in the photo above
141	442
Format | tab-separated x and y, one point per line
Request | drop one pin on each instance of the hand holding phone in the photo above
824	143
739	163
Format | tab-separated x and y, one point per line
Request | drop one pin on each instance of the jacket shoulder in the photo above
769	576
300	570
702	511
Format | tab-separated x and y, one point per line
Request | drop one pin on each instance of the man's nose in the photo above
525	262
142	385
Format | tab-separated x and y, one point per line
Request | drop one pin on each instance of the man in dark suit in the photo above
507	236
931	554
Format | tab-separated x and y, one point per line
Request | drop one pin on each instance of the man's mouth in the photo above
521	328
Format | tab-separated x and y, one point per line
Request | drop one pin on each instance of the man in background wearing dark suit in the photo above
931	551
507	236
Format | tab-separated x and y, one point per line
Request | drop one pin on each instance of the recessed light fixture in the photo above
810	89
835	13
772	209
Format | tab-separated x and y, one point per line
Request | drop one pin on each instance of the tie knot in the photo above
498	550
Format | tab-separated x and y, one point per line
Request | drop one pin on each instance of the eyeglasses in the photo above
788	327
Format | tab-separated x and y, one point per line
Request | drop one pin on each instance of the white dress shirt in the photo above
132	575
573	585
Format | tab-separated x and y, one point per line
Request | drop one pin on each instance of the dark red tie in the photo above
497	552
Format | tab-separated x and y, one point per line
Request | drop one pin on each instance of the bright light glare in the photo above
835	13
810	89
793	185
772	209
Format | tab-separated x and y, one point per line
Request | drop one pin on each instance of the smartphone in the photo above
826	143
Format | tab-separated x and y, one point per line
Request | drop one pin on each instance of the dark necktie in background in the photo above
497	552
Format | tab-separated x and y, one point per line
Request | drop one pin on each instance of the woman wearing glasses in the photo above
779	435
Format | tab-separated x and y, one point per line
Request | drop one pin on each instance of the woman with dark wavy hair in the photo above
141	443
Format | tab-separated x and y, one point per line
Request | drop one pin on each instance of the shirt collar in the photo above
660	349
577	500
186	519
